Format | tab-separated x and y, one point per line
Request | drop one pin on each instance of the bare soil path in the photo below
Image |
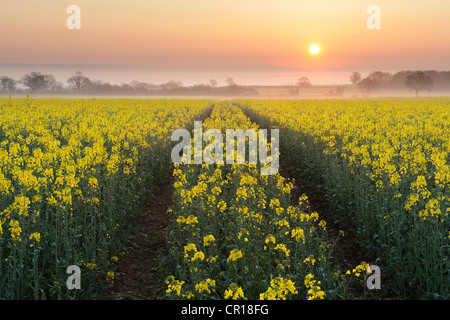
138	276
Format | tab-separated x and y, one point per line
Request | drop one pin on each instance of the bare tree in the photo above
303	82
380	77
419	81
374	80
213	83
355	77
37	81
230	81
79	81
8	84
368	84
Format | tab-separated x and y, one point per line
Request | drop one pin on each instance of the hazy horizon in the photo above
243	75
254	42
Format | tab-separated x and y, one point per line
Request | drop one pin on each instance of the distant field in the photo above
329	91
255	91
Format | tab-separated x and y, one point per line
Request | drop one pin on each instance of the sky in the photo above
251	41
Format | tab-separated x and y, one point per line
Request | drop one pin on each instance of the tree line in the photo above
37	82
414	80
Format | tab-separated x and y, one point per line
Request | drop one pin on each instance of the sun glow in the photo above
314	49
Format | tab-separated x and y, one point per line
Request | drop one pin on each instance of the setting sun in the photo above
314	49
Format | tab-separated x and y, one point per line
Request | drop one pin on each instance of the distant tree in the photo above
79	81
213	83
8	84
419	81
303	82
230	81
171	85
49	81
380	77
142	87
368	84
201	88
37	81
355	77
126	88
56	87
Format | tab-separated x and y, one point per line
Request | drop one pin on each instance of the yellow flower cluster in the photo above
15	229
36	236
110	276
279	289
234	292
234	255
314	291
205	286
174	285
207	240
359	268
298	234
188	248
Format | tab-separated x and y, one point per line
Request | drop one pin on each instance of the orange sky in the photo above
198	39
